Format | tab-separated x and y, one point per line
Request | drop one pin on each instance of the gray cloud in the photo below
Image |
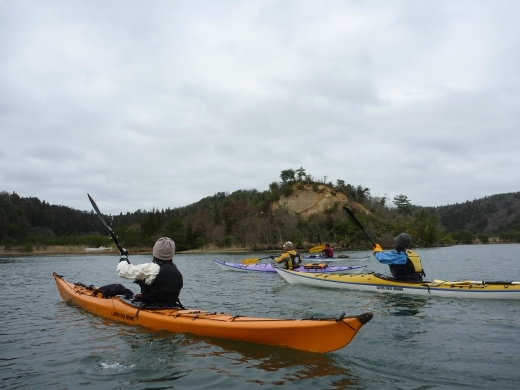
158	105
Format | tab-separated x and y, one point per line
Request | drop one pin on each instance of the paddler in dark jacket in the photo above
404	263
160	281
290	258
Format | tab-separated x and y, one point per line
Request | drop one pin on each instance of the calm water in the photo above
412	343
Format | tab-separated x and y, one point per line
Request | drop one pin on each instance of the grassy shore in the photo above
82	250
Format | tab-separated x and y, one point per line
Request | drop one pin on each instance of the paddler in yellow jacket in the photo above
404	263
290	258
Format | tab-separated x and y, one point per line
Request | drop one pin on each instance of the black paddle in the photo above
353	218
112	234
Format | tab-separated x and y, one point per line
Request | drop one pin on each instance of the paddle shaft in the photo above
112	234
353	218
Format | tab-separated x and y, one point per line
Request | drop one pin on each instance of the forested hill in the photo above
24	220
297	208
489	215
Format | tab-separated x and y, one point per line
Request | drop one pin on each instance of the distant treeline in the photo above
496	216
28	221
490	215
247	219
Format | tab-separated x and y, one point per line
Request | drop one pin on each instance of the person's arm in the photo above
146	271
391	257
282	257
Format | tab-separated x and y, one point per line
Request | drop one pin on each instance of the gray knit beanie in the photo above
404	240
164	248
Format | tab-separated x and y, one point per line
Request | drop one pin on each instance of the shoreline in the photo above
81	251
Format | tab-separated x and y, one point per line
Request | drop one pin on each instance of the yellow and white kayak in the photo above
317	335
480	289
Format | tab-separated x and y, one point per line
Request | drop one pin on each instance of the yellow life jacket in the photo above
295	260
415	260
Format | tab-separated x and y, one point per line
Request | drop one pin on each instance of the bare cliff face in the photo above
307	201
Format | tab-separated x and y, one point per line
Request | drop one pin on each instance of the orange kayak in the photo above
317	335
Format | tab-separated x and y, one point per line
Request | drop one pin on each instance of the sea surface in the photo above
411	343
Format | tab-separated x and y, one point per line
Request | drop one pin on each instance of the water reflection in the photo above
402	305
296	365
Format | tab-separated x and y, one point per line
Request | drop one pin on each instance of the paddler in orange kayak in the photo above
160	281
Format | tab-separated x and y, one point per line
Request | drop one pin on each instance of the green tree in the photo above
151	224
287	189
403	204
274	187
510	236
484	238
463	237
176	230
425	228
300	173
288	175
362	194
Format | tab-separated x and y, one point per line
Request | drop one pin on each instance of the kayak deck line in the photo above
435	283
320	335
207	316
476	282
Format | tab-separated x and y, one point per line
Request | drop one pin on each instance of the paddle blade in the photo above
112	234
94	205
352	217
315	249
250	261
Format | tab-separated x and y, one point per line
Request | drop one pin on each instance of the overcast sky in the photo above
148	104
